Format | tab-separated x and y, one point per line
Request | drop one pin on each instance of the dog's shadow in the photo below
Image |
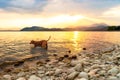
38	50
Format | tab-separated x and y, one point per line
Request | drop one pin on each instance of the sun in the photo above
66	18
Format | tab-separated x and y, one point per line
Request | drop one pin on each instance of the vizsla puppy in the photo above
42	43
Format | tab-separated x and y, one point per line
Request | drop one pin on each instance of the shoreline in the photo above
85	65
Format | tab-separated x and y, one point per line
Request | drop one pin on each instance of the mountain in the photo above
98	27
33	28
37	28
94	27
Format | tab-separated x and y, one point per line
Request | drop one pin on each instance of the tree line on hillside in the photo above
91	28
113	28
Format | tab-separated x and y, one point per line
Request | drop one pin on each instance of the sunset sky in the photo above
16	14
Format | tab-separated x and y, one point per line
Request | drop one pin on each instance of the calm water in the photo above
17	43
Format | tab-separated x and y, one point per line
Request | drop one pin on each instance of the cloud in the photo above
112	12
94	7
22	6
85	7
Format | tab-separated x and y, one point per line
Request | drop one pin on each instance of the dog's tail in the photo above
49	38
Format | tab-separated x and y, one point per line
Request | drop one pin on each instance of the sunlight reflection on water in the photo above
13	43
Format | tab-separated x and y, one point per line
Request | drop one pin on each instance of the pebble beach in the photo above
102	65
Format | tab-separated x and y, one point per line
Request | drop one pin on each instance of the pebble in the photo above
74	62
112	78
21	74
78	67
118	75
49	73
70	70
7	77
41	72
21	78
82	79
58	71
72	76
83	75
113	71
93	72
34	77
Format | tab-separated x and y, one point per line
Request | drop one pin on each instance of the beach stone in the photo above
40	68
74	62
33	72
113	71
70	70
78	67
58	71
21	74
34	77
83	75
41	75
102	73
7	77
21	78
49	73
112	78
82	79
46	78
93	72
118	76
41	72
72	76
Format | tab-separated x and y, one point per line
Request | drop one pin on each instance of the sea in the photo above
17	44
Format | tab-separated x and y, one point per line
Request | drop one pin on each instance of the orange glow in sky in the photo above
17	14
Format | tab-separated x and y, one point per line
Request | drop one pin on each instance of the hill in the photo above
94	27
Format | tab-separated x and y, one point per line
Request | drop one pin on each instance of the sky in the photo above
17	14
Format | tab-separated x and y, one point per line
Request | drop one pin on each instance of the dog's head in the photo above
32	42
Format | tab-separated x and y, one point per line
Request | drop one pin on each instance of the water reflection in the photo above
75	40
38	50
18	42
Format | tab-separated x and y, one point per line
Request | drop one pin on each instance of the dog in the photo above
43	43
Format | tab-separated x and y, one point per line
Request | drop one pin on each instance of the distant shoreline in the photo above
56	31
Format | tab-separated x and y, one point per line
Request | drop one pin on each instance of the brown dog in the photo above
42	43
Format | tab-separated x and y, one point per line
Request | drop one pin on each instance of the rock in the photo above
21	74
49	73
61	58
7	77
41	75
72	76
93	72
54	54
84	48
73	57
118	76
112	78
41	72
47	78
66	56
47	60
58	71
21	78
74	62
102	73
70	70
83	75
34	77
113	71
78	67
82	79
69	51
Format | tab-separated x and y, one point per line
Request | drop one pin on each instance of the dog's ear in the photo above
32	41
